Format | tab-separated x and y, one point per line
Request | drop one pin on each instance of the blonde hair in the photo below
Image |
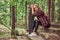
35	5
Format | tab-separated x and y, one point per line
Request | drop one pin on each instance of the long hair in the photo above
39	9
37	6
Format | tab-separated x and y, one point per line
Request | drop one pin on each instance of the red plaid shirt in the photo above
42	18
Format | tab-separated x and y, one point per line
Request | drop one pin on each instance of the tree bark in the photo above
53	10
49	8
12	10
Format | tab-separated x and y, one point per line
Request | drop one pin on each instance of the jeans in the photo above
36	25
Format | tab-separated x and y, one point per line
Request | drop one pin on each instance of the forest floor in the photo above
42	36
52	34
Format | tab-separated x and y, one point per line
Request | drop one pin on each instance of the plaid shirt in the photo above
42	18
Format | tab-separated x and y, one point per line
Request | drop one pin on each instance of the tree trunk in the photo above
49	8
53	10
12	10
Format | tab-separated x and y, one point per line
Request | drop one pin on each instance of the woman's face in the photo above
36	8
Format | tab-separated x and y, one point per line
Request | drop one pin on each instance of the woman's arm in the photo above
32	10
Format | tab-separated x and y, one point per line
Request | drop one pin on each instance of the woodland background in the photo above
50	7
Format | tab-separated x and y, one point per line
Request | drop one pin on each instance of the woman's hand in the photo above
32	10
32	7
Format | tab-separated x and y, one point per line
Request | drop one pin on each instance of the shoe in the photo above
32	34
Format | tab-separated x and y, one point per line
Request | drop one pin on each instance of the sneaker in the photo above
32	34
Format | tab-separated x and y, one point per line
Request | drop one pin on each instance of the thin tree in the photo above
12	8
49	8
53	10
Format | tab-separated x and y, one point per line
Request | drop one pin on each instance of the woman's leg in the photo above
37	25
30	27
31	24
34	25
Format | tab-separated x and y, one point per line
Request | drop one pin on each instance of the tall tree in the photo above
49	8
53	10
13	11
12	20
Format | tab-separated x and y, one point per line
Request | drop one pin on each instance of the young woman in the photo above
31	21
43	20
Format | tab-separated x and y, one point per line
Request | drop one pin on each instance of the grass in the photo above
3	34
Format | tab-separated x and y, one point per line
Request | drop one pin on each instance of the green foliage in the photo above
5	12
56	9
21	10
